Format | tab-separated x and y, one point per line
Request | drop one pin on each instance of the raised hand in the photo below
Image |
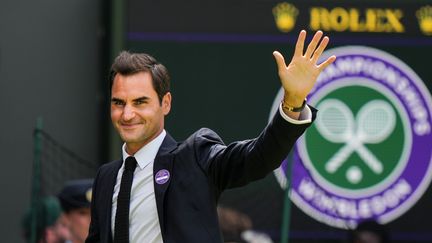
300	75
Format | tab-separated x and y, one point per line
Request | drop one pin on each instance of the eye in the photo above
140	102
117	102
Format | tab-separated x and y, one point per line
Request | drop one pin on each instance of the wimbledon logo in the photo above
369	152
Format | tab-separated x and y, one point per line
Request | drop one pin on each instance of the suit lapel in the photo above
162	173
111	180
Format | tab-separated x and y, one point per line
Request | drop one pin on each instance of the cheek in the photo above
115	114
148	113
82	221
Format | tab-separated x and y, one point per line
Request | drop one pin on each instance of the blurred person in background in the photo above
369	232
237	227
50	226
75	198
233	223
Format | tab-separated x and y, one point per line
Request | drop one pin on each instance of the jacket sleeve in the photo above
94	234
244	161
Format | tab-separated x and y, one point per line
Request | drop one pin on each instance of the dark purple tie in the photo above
121	228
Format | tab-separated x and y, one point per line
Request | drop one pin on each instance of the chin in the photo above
130	140
128	135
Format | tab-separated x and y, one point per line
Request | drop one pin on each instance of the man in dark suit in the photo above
176	186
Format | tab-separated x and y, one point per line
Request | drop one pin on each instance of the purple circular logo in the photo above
369	152
162	176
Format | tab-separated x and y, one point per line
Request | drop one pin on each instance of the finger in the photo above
300	44
316	55
313	44
280	61
327	62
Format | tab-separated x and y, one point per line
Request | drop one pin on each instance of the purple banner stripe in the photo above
323	235
262	38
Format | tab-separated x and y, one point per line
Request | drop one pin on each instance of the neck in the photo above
132	148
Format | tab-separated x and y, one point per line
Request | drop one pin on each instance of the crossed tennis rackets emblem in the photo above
374	123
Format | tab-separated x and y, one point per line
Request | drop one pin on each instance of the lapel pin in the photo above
162	176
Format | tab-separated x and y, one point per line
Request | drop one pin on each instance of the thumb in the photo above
280	61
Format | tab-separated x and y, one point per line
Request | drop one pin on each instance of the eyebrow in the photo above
143	98
114	99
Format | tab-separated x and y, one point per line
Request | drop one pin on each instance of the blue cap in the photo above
76	194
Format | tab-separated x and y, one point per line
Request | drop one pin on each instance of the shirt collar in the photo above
146	154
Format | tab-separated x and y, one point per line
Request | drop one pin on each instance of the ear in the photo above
166	103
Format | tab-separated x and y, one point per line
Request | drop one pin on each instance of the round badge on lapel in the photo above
162	177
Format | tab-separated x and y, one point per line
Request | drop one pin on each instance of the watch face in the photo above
368	153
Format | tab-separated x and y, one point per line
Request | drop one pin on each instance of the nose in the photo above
128	113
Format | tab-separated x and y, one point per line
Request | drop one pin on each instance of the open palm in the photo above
299	77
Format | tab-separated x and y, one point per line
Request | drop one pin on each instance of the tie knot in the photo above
130	163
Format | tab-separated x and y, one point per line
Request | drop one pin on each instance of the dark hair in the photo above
127	63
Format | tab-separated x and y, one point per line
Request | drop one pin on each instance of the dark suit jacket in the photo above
200	168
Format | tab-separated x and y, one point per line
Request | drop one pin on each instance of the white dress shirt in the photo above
305	116
143	217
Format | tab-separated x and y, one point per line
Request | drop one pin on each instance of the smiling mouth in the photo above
129	126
